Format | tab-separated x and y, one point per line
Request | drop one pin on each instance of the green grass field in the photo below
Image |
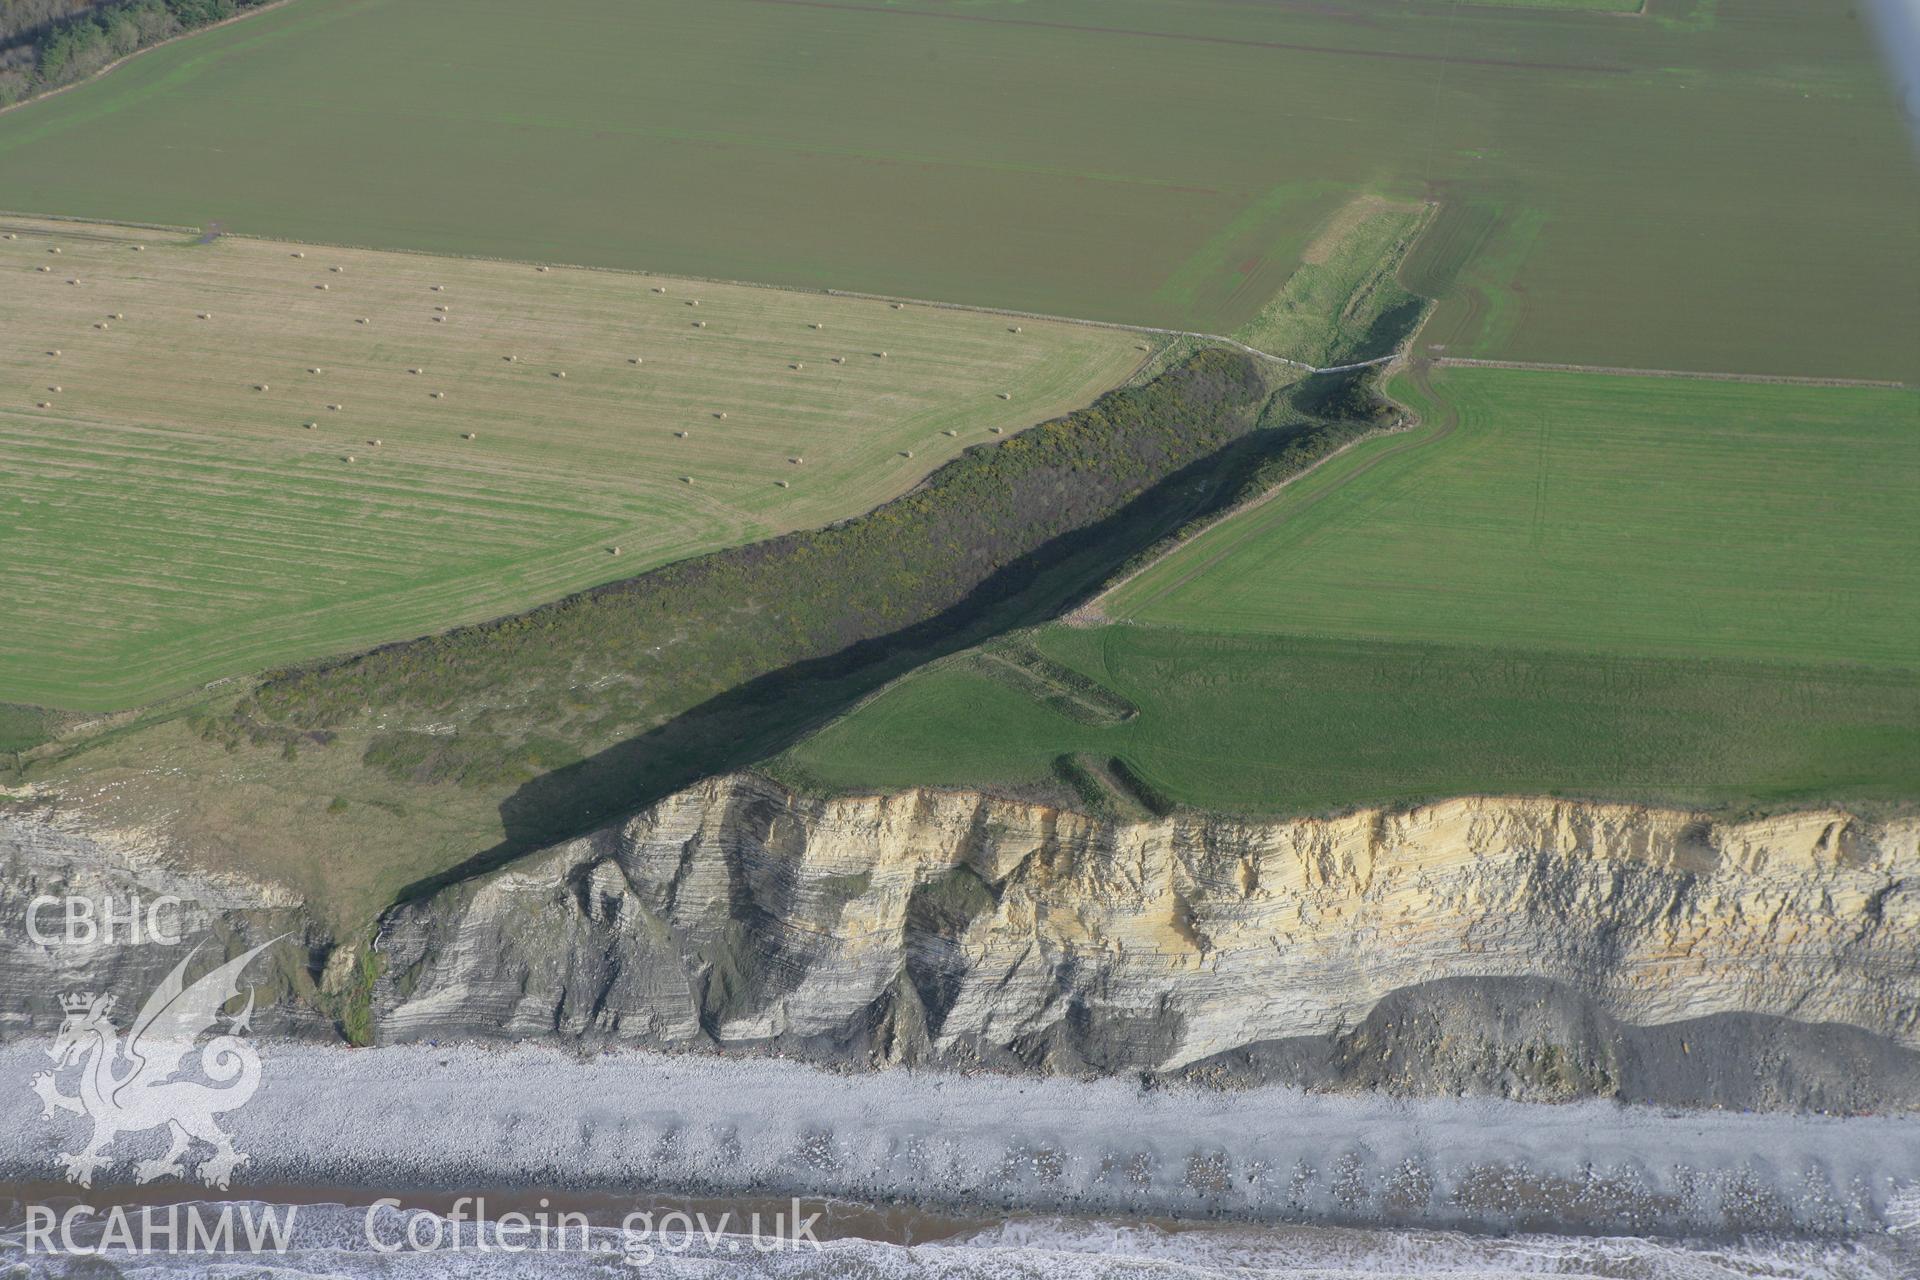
1155	161
1589	512
1290	725
1637	588
166	521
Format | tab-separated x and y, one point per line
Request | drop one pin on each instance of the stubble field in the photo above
170	518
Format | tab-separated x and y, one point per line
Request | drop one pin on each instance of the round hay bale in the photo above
298	254
949	432
633	360
438	288
261	386
466	435
796	461
118	315
439	319
1013	329
55	390
374	443
559	373
813	326
693	302
46	268
55	249
337	270
334	407
313	369
721	415
351	458
798	365
679	435
74	281
995	430
139	248
1006	395
613	551
539	268
309	425
699	324
54	352
686	479
906	453
365	320
439	395
783	484
440	309
206	315
839	359
46	404
898	305
881	354
101	325
659	288
323	286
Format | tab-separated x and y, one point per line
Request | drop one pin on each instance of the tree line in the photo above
46	44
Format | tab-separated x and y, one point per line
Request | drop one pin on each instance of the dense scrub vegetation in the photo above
609	698
45	44
811	592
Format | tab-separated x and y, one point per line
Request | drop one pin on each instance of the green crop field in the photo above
1592	512
1719	184
1290	725
168	516
1639	588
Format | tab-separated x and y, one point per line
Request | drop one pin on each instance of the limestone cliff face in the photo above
141	913
1520	943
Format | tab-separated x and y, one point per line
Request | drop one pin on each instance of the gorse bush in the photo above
504	702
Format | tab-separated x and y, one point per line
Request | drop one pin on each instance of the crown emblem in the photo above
79	1002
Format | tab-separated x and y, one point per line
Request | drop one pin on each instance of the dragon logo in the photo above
135	1085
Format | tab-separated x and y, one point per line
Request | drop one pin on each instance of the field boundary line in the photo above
160	44
1625	371
1117	326
100	222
